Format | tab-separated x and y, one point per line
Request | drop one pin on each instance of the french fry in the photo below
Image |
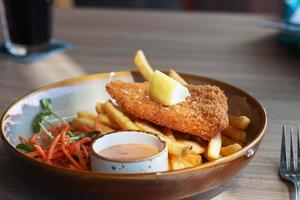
235	134
170	164
142	64
173	74
240	122
214	148
87	115
104	129
187	164
122	120
78	122
174	147
87	122
192	146
147	127
179	163
193	159
230	149
227	141
100	108
104	119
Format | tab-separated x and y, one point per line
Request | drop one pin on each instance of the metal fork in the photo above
290	165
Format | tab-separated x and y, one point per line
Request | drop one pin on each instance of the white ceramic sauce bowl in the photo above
155	163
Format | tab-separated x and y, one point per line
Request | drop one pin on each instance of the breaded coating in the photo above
203	114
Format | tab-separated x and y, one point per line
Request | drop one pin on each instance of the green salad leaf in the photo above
46	104
26	147
70	133
78	137
41	118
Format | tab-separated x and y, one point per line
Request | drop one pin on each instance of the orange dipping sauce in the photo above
129	152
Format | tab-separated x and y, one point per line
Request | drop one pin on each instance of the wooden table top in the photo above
234	48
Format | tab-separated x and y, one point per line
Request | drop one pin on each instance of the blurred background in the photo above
254	6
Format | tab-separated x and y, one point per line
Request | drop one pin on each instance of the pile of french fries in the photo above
183	153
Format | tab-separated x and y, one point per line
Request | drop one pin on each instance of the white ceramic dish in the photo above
156	163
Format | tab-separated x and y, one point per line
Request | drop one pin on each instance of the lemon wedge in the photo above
166	90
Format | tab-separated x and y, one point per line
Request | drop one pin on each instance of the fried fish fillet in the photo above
203	114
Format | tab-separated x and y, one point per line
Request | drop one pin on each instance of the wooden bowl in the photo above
82	93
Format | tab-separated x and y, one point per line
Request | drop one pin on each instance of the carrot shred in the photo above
72	148
86	154
58	129
57	155
23	139
79	155
85	140
39	159
72	167
55	130
63	147
52	147
41	151
84	128
33	154
55	142
34	138
49	162
46	140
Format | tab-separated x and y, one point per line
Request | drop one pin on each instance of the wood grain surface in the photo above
234	48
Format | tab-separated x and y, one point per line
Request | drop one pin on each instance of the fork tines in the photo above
291	162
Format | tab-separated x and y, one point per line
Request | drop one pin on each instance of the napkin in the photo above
292	11
289	26
54	47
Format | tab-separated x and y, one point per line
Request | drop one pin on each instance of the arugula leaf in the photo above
92	134
26	147
41	117
37	124
69	133
46	104
78	137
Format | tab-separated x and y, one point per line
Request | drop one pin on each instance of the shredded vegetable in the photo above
58	144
